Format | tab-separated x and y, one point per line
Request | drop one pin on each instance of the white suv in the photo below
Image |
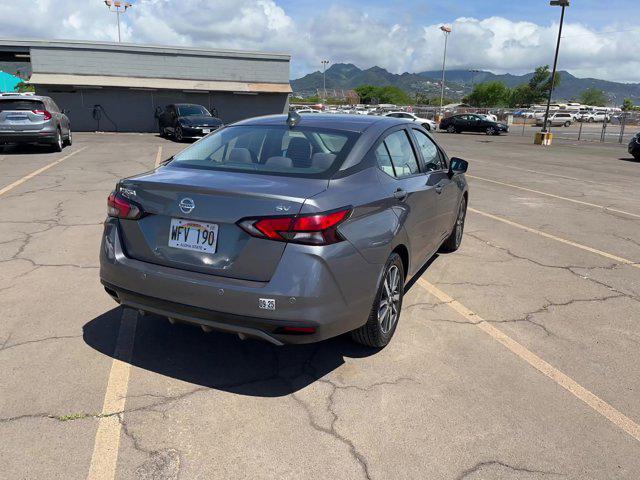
557	119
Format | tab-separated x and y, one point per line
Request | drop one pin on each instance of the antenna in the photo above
293	118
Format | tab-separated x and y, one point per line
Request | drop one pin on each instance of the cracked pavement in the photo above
443	400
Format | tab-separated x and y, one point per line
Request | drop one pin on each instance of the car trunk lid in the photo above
218	198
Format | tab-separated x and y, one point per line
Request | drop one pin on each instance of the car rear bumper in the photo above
328	289
43	136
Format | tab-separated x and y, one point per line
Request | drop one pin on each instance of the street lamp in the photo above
447	31
118	8
324	79
564	4
473	76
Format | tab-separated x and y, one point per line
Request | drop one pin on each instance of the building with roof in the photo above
118	87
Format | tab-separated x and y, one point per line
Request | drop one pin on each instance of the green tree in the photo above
489	94
540	84
593	96
628	105
387	94
24	87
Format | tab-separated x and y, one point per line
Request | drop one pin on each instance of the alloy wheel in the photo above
460	222
491	131
179	134
389	306
451	129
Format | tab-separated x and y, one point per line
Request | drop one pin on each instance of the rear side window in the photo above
21	105
396	149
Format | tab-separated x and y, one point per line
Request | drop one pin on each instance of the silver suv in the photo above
28	118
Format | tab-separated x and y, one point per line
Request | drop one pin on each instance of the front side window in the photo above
270	149
430	153
396	149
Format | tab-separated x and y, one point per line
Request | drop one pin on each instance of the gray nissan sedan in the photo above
291	229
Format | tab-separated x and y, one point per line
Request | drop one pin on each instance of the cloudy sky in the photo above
601	37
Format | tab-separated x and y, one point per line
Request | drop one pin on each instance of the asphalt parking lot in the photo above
516	357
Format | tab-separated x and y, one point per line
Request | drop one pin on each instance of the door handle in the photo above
400	194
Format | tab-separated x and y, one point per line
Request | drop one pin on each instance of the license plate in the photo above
191	235
206	130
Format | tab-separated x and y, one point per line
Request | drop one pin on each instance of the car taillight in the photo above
315	229
47	114
120	207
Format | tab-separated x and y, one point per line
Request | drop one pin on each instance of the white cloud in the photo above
339	34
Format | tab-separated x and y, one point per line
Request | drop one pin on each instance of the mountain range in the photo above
346	76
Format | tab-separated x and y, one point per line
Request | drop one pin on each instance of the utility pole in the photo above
564	4
324	80
117	7
473	76
447	31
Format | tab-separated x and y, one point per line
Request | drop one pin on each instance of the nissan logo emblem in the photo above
187	205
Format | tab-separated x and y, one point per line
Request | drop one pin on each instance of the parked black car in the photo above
186	120
472	123
634	146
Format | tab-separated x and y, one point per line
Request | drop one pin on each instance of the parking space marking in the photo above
105	450
610	256
596	403
556	196
501	165
158	156
19	182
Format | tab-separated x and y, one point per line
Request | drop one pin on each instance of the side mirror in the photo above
458	165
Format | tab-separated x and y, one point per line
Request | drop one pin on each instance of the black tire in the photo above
378	332
567	123
453	241
452	129
178	135
491	131
590	120
58	144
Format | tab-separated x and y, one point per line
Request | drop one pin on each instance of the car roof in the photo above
187	105
354	123
22	97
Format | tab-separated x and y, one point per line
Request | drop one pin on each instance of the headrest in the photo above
240	155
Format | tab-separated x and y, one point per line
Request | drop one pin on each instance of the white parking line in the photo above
159	156
37	172
567	177
596	403
586	248
105	450
556	196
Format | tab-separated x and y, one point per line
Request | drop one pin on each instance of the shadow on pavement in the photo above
23	149
222	361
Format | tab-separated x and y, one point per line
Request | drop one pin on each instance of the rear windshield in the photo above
21	105
274	150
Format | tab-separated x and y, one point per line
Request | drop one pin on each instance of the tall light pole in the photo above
447	31
473	76
564	4
324	79
117	7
